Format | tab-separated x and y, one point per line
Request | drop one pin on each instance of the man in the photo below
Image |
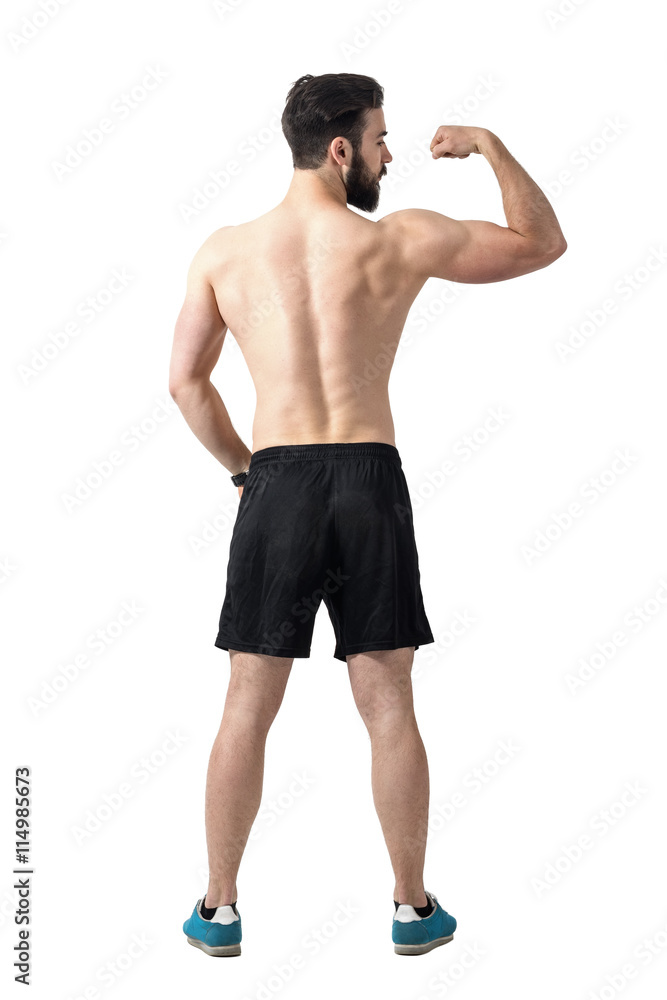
313	292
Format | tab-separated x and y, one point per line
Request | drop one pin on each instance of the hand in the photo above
240	489
455	141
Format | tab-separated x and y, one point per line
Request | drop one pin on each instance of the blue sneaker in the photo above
219	936
414	935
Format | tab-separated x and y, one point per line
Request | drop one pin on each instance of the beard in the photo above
362	185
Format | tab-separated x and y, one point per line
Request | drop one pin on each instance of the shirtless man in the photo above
312	292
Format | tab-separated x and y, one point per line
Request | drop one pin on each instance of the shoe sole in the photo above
219	951
421	949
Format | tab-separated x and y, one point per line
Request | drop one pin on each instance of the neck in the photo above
321	188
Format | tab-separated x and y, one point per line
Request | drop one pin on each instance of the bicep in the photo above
469	250
199	332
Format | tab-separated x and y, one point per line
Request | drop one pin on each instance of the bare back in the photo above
317	303
317	296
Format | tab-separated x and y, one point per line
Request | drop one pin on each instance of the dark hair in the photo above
319	108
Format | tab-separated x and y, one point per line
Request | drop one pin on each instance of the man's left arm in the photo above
198	338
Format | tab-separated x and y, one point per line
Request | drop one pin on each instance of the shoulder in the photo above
211	250
414	222
218	239
419	236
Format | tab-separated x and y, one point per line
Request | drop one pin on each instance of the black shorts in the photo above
323	522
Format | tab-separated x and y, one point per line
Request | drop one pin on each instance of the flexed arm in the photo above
476	251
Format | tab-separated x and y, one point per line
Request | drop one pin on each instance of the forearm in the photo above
207	417
526	207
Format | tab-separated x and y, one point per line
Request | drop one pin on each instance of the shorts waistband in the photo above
343	449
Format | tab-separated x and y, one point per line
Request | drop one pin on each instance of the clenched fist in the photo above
456	141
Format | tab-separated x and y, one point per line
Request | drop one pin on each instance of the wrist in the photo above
486	141
242	465
242	469
239	478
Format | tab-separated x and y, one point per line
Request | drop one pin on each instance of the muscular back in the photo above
311	299
315	294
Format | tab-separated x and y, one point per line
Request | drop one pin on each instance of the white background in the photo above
552	83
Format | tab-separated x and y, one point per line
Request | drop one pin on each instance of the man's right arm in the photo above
475	251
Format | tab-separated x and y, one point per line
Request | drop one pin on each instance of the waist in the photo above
325	451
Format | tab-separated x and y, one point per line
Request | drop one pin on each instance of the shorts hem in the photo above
250	647
369	647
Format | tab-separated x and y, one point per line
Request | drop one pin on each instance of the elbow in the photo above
557	250
180	386
540	254
545	255
174	389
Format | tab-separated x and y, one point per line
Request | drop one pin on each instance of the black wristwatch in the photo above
240	478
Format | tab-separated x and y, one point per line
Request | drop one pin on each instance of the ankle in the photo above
217	897
414	897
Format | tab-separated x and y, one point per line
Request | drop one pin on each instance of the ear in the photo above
341	151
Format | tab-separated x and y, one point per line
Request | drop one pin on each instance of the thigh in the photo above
381	681
278	559
379	604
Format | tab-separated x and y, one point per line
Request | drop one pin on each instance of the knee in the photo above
254	711
387	706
